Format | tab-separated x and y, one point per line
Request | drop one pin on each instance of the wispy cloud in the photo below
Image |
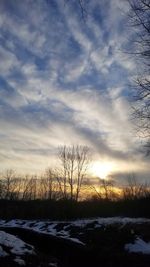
64	81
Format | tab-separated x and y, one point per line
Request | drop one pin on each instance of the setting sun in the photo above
102	169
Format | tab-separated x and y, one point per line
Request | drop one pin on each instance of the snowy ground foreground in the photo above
138	246
62	228
14	246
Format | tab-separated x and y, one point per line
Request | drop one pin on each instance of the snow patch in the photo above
3	253
20	261
139	246
16	245
50	227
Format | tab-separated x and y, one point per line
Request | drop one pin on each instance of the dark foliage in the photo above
66	209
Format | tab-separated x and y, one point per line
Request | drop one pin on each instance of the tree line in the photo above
63	183
68	182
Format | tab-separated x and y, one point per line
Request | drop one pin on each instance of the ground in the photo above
98	242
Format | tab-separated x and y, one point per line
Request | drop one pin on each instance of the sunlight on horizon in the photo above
102	169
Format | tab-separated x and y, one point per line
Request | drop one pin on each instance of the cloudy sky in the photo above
65	80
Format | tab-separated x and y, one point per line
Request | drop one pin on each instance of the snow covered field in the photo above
14	246
139	246
78	231
62	229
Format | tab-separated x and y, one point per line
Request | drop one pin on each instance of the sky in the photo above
65	80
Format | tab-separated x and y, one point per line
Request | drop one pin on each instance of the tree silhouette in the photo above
74	161
140	21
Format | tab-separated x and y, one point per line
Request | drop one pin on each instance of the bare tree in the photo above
134	189
83	159
81	5
97	192
42	188
74	161
1	189
105	189
29	187
25	187
32	189
49	179
140	21
10	185
48	186
62	173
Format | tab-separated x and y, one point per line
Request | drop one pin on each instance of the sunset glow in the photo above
102	169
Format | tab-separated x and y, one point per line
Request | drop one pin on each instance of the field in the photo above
97	242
